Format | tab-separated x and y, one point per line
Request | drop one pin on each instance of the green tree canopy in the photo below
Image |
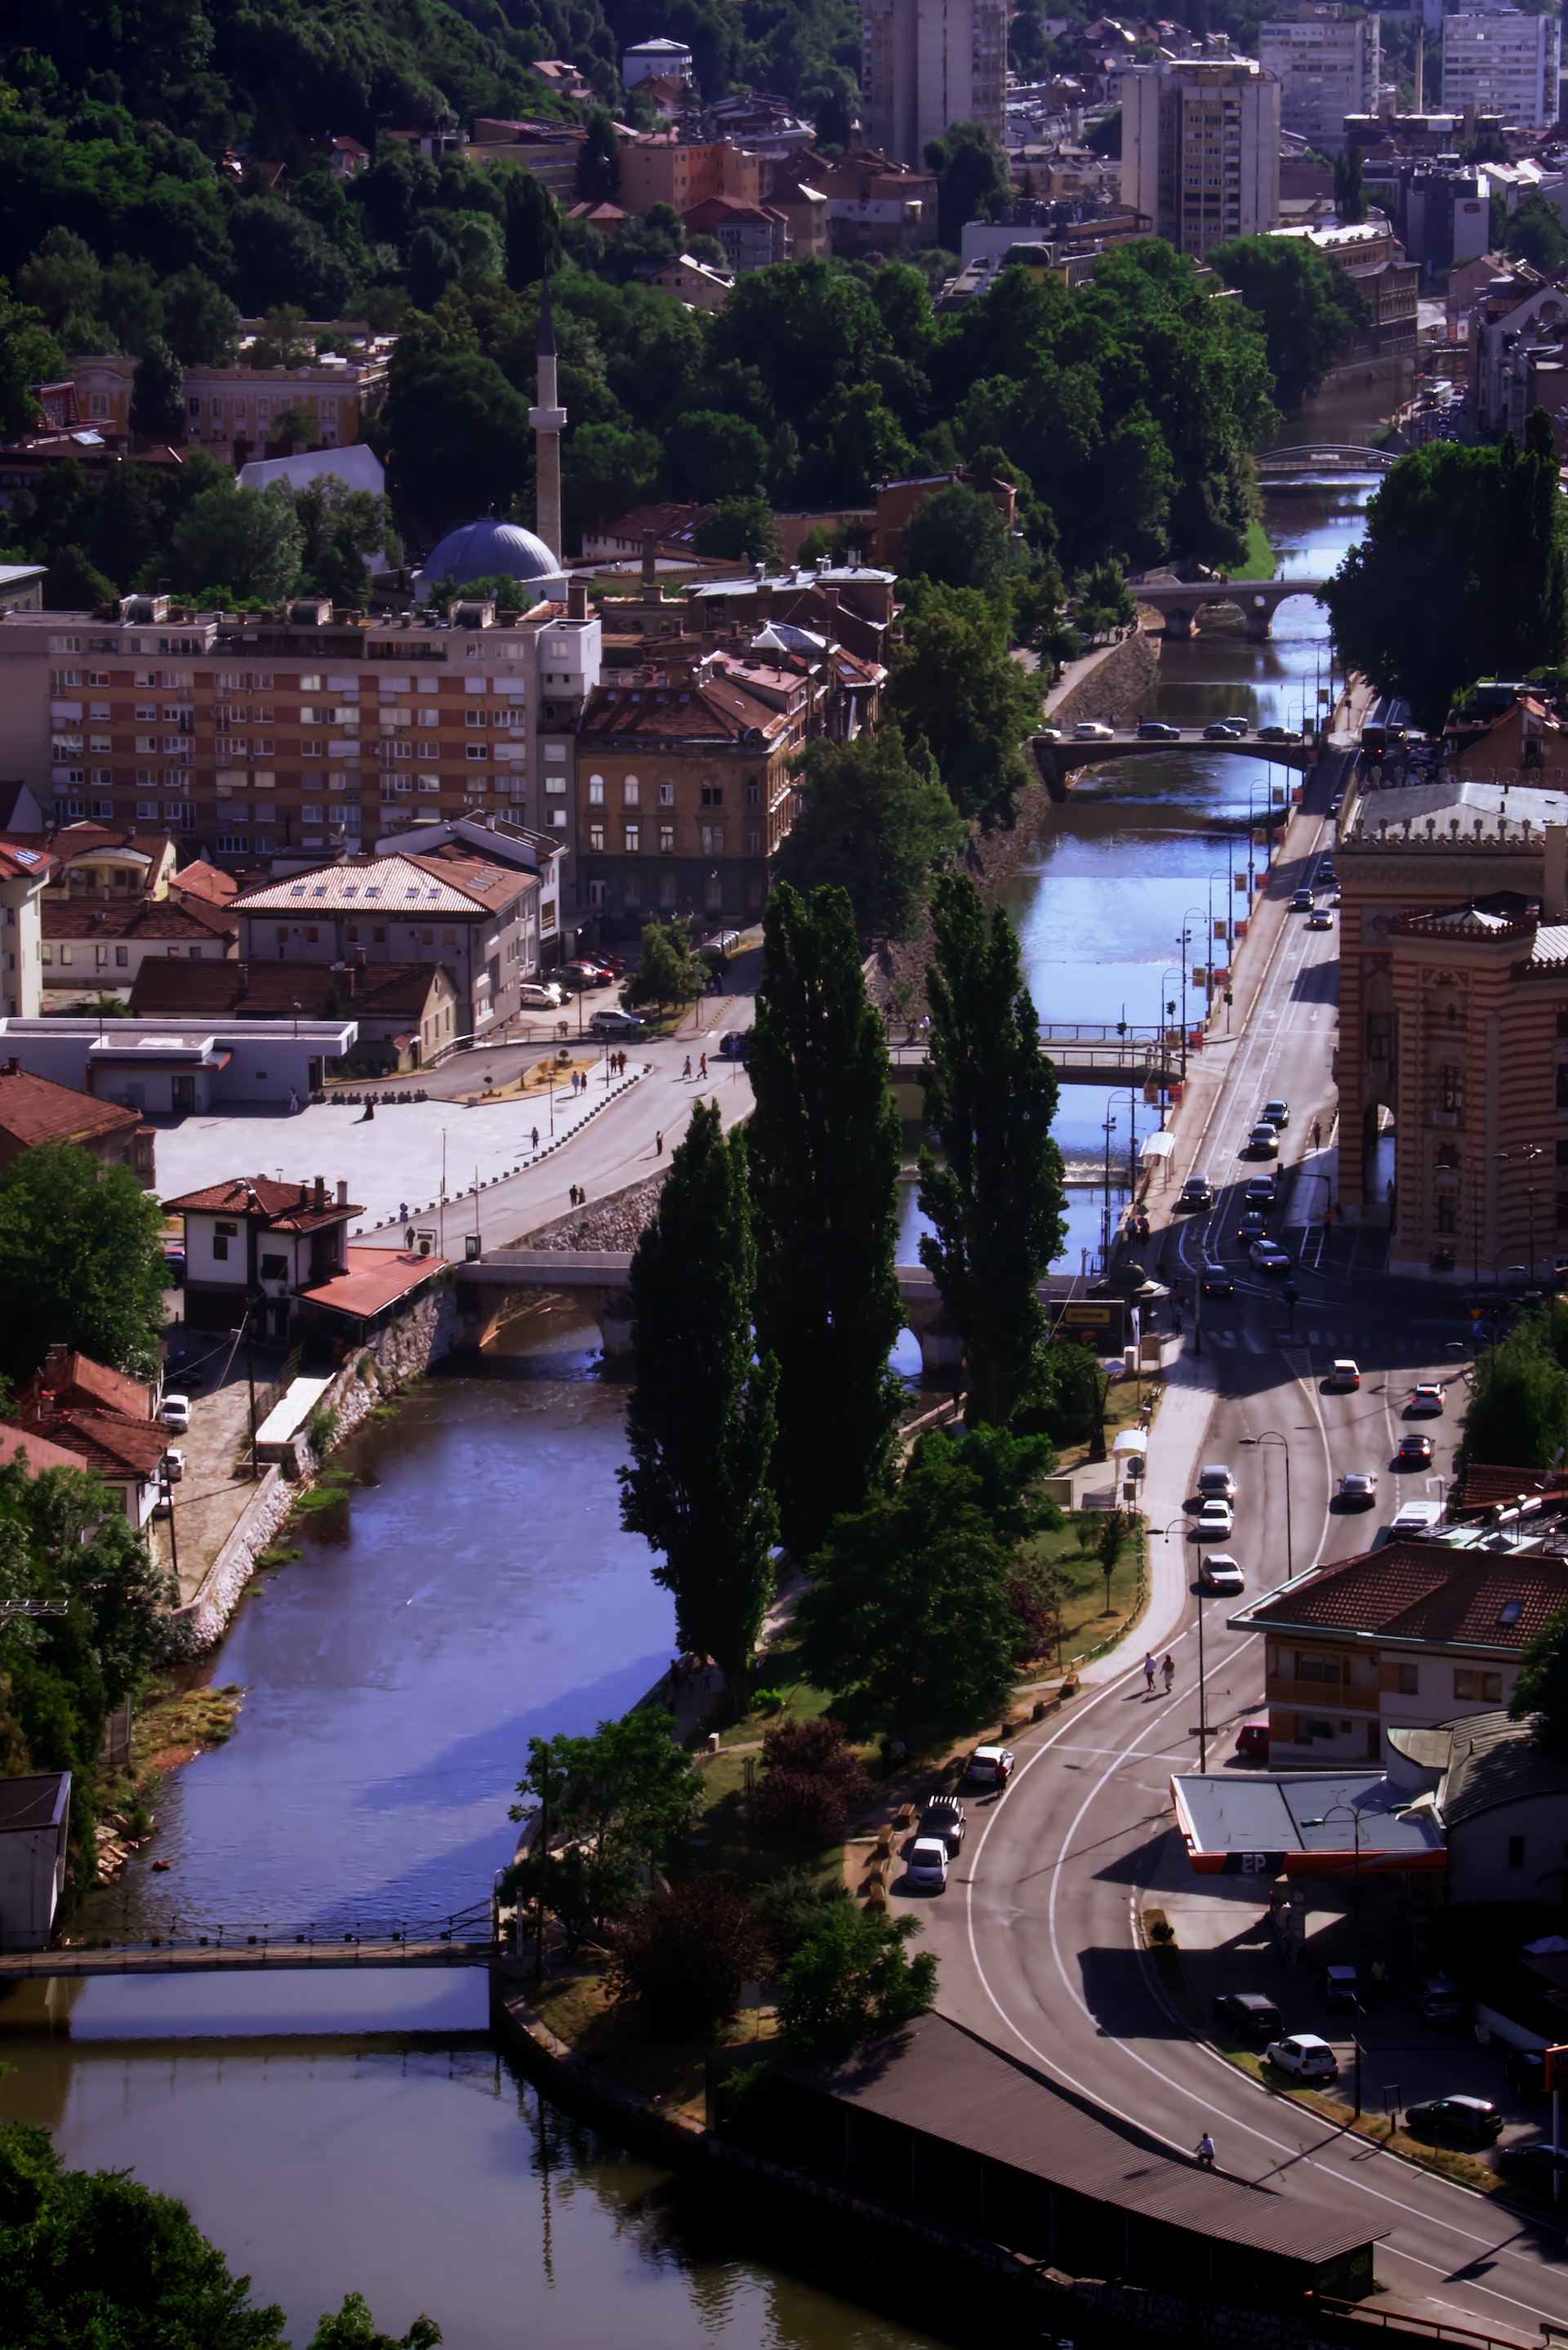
1308	309
996	1199
83	1251
959	538
740	529
1541	1692
873	820
699	1421
457	438
623	1798
973	181
668	971
248	540
1460	573
851	1976
956	688
1517	1416
28	354
1534	232
157	394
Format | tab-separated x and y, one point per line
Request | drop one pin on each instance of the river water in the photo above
333	2133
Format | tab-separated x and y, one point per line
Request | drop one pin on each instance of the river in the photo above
343	2132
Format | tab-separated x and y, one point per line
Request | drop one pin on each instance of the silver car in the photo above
927	1867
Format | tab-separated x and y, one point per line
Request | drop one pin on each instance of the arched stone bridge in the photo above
1058	760
1180	603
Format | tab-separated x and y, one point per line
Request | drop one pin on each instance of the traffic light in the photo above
1228	997
1555	2072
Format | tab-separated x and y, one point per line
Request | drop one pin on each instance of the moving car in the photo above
1252	1742
1427	1398
1224	730
1262	1191
1215	1478
1155	730
1214	1518
1279	734
535	995
614	1024
1320	919
991	1764
944	1816
1278	1113
1091	730
1254	1225
1361	1489
1341	1987
1475	2118
1269	1256
1219	1281
1221	1572
1247	2013
1305	2056
171	1467
1196	1192
1415	1451
927	1866
176	1414
1301	902
1436	2000
1263	1142
175	1264
1345	1374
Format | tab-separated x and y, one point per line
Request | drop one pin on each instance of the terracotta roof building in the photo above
253	1247
404	1010
1400	1637
34	1110
89	949
98	1419
71	1380
24	871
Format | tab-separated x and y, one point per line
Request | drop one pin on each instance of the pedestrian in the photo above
535	1138
1204	2150
659	1144
293	1101
572	1194
582	1195
1316	1132
703	1070
1149	1670
1169	1670
369	1114
686	1072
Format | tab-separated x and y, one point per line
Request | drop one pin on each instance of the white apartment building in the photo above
927	63
299	734
1201	150
1504	62
1327	63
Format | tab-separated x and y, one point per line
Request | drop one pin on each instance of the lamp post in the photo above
1321	1821
1168	1014
1529	1152
1193	914
1273	1436
1202	1705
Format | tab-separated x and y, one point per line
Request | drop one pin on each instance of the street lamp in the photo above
1273	1436
1202	1706
1321	1821
1529	1152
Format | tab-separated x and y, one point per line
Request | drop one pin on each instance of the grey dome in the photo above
490	550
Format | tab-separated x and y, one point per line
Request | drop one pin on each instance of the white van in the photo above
1417	1518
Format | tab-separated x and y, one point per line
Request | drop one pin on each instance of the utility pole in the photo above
251	1381
543	1870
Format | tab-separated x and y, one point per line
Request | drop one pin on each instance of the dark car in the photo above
1534	2165
1279	735
1436	2000
1415	1451
943	1816
1248	2014
1262	1191
1196	1192
735	1044
1219	1281
175	1266
1253	1226
581	976
1475	2118
1155	730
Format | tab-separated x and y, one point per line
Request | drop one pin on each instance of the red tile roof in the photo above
1485	1486
286	1206
69	1377
136	918
107	1441
19	861
168	987
375	1278
39	1452
198	880
719	713
1423	1591
35	1110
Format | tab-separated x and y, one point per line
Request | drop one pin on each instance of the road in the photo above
1035	1933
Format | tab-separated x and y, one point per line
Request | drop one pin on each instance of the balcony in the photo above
1320	1697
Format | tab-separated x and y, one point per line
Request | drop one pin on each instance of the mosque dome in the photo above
491	550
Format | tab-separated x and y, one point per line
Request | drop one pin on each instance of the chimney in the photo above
830	597
576	599
12	1068
764	601
650	566
320	1193
342	1192
1555	878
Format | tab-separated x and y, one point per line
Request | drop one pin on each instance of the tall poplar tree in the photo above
996	1200
824	1148
700	1418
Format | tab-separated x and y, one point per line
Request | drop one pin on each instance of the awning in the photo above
1131	1439
1157	1146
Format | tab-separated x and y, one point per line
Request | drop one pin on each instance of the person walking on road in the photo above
535	1138
686	1072
659	1143
1204	2150
702	1066
1149	1670
1169	1670
1316	1132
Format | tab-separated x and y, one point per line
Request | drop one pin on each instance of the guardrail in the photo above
1355	2315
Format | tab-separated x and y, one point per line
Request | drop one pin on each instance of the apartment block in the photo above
299	734
1327	63
664	167
927	63
1506	62
238	407
1201	150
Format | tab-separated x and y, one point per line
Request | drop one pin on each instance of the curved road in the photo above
1036	1932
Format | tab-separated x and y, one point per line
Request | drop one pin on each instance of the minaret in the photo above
548	422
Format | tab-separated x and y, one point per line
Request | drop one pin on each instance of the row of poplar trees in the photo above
765	1293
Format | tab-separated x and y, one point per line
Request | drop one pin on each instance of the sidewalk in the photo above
1177	1436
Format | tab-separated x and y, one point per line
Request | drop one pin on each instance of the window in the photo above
666	889
1563	1084
712	892
753	843
596	836
1451	1086
753	792
221	1247
274	1268
1485	1686
667	795
1448	1212
666	840
121	958
631	892
1377	1036
712	794
633	838
1516	1852
1409	1679
476	750
596	791
430	717
712	840
631	792
475	718
1317	1668
596	893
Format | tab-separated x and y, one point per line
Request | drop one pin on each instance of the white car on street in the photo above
1305	2056
1221	1572
1092	730
1214	1518
539	995
927	1866
176	1414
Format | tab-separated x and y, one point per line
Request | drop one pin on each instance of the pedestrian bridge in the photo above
1327	457
1180	602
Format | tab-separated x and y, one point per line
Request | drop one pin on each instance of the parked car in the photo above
1360	1488
578	979
174	1264
991	1765
1436	2000
1196	1192
927	1867
1279	735
1426	1398
1247	2013
1475	2118
173	1467
1534	2165
1320	919
735	1044
614	1024
1305	2056
1278	1113
1264	1191
1252	1742
1219	1281
1213	1478
1221	1572
1269	1257
1526	2070
943	1816
1301	902
1415	1451
1345	1374
1263	1142
1341	1987
1155	730
1091	730
1214	1518
175	1414
1254	1225
539	995
615	964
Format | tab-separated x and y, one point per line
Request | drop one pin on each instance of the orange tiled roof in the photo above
286	1207
35	1110
1422	1591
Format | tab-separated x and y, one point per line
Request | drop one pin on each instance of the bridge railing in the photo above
472	1928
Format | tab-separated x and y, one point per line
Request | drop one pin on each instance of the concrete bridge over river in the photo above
1180	602
1060	758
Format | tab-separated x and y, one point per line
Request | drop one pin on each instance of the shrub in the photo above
812	1781
320	1428
797	1903
683	1956
851	1976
